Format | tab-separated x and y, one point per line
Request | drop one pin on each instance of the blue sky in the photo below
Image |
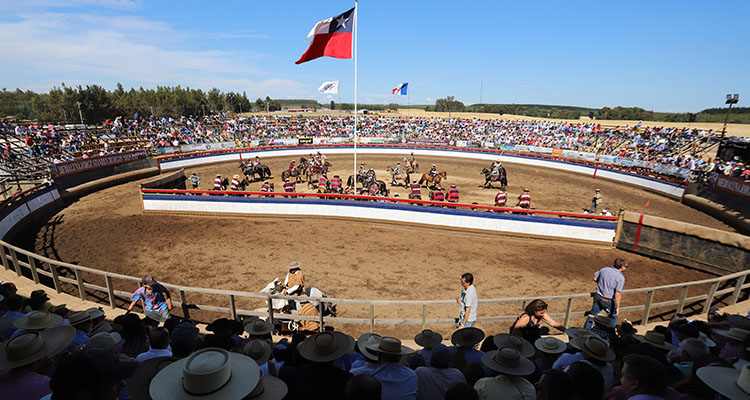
673	56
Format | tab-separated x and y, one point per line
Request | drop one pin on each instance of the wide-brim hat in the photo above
294	264
508	361
550	345
268	388
79	317
574	333
95	312
236	177
37	321
389	345
734	333
428	338
595	347
218	325
655	339
515	342
739	321
258	350
32	346
709	342
467	337
103	326
211	373
364	340
104	341
325	346
603	318
731	383
442	355
259	327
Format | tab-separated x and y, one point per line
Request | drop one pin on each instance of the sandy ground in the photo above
363	260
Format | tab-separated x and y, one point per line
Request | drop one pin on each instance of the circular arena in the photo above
369	259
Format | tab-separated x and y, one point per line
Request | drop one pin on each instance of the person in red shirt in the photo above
524	199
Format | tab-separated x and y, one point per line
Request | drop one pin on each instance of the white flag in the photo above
329	87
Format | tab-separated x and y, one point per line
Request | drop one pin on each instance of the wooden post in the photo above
710	299
737	289
647	307
55	277
270	310
372	318
81	288
32	267
320	311
14	257
5	258
232	308
567	311
424	316
681	303
110	291
523	306
183	302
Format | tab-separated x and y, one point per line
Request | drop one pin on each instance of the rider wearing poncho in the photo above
433	170
496	167
399	169
256	162
294	283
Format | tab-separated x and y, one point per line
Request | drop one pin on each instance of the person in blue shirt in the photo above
397	381
155	296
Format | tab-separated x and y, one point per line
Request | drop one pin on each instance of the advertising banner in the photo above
86	164
463	143
608	159
371	140
426	142
733	185
283	142
521	147
306	140
540	150
557	152
488	144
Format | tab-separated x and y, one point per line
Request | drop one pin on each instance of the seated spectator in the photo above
433	381
105	341
461	391
36	321
656	342
260	352
26	361
320	375
134	336
363	387
221	335
465	341
643	377
397	381
369	360
555	385
589	384
603	326
548	350
14	304
82	322
690	350
523	346
159	345
508	384
733	349
428	339
38	301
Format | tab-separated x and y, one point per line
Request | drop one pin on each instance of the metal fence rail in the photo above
20	261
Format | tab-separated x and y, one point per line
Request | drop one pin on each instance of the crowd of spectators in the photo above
669	146
78	354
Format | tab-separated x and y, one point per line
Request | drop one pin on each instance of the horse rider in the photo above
433	171
294	279
320	159
292	167
496	167
524	199
371	174
501	198
195	181
323	184
235	185
410	158
437	195
362	171
452	195
256	162
336	184
218	183
415	191
399	169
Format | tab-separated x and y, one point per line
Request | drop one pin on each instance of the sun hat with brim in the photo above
268	388
104	341
739	321
95	312
508	361
655	339
595	347
467	337
32	346
259	327
428	339
325	346
211	373
574	333
550	345
442	355
364	340
79	317
258	350
515	342
731	383
294	264
734	333
709	342
389	345
603	319
37	321
103	326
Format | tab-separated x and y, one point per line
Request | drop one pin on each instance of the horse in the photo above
411	164
263	171
362	179
434	180
489	178
315	172
284	306
297	173
404	176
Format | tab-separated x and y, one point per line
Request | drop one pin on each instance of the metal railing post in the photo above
647	307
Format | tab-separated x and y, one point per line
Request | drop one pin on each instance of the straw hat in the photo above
236	176
325	346
595	347
364	340
259	327
37	321
515	342
550	345
508	361
467	337
389	345
210	373
79	317
258	350
655	339
32	346
731	383
294	264
734	333
428	339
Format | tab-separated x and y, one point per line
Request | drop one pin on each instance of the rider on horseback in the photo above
371	175
256	162
292	166
433	170
362	171
399	169
320	159
294	280
495	168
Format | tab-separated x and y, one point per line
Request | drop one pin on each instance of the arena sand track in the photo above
364	260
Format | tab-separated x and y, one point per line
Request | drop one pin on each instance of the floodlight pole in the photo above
730	100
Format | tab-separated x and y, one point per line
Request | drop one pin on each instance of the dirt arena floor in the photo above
365	260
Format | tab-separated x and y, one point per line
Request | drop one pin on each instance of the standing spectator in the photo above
195	181
468	302
609	284
508	384
433	381
524	199
595	201
465	340
397	381
158	302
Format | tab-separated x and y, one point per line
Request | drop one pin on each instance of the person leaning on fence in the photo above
156	298
529	324
609	284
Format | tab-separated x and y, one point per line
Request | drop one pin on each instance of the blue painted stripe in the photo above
387	206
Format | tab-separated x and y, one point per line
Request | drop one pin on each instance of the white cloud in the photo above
429	99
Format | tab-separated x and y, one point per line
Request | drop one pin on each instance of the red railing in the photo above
375	198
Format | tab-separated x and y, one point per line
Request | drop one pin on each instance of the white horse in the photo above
282	305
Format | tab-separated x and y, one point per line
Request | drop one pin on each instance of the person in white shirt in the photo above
159	339
468	302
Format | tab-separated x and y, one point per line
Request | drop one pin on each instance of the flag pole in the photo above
354	176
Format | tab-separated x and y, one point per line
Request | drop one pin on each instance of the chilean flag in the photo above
400	88
332	37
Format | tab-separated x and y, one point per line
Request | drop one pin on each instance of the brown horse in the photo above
402	177
433	181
